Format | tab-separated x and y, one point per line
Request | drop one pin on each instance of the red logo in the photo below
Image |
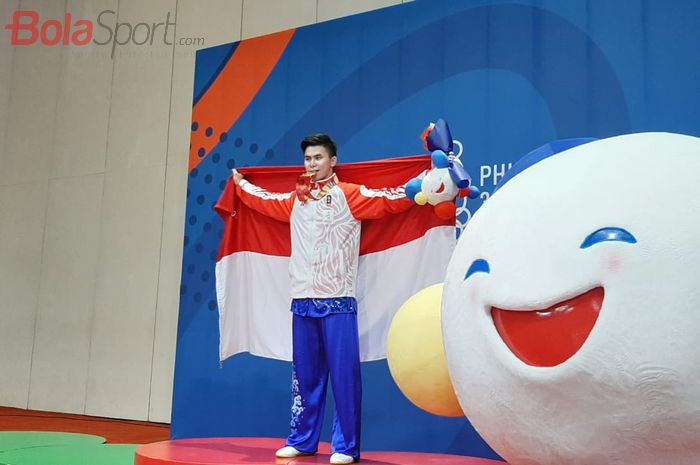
50	32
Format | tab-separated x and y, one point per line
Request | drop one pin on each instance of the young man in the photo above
324	215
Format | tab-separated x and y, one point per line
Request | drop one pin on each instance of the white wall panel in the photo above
29	136
262	17
66	295
331	9
123	332
138	121
84	91
22	210
168	298
6	55
125	297
218	24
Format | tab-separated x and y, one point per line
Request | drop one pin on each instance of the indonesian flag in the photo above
399	255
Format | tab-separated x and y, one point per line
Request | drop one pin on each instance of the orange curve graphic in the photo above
233	90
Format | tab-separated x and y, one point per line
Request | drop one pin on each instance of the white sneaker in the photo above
341	459
287	452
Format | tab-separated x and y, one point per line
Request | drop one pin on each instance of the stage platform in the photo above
261	451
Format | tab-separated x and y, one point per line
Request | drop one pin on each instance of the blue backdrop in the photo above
507	76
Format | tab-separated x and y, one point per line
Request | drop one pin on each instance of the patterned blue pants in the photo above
322	347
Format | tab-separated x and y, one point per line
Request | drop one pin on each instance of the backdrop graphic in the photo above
507	76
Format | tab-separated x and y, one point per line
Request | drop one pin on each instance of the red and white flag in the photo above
399	255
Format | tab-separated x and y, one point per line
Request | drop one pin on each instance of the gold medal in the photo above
305	186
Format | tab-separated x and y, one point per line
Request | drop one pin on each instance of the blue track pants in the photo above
322	347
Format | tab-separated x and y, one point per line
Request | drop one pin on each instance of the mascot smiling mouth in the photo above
549	337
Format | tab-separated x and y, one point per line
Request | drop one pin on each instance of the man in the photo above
324	215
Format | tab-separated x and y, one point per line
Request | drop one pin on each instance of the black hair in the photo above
323	140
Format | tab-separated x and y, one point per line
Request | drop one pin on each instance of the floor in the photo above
114	430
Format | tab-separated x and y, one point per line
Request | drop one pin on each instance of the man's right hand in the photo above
237	177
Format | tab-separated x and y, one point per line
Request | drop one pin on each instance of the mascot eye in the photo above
478	266
608	234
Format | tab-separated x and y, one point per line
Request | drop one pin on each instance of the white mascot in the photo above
571	307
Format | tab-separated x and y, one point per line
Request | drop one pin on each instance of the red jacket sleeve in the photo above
276	206
368	204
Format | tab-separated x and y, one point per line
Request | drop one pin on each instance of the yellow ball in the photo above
416	355
421	198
